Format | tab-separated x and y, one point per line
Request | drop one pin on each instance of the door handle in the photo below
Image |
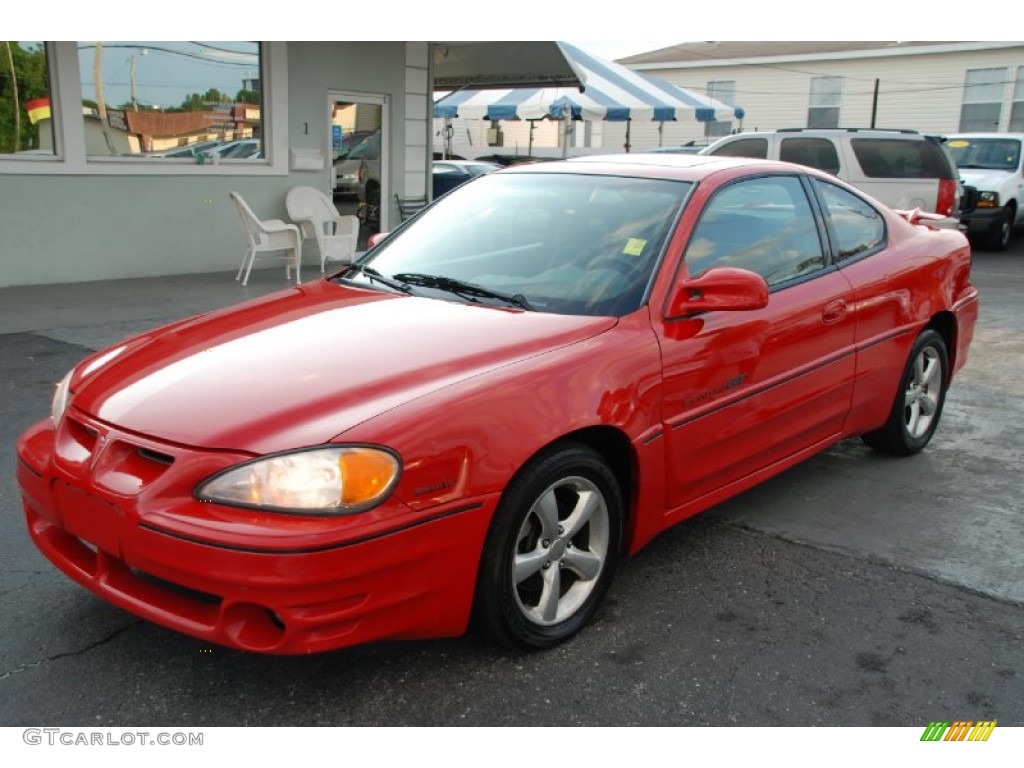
834	311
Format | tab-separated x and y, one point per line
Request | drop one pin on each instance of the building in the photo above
89	191
935	87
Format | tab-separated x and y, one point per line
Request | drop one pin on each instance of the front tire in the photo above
552	549
915	413
999	237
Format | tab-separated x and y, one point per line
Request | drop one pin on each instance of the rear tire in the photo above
922	392
551	551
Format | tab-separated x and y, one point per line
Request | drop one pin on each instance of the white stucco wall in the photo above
74	219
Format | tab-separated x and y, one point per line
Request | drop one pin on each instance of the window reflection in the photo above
26	123
187	101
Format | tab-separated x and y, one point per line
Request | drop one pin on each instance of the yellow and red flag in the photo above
38	109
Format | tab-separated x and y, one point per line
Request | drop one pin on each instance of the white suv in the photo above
903	169
993	164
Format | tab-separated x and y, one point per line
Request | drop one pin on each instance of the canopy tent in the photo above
608	91
532	64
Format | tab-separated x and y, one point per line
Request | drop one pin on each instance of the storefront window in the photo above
26	125
187	101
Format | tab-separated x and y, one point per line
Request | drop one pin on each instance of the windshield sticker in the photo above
958	143
634	246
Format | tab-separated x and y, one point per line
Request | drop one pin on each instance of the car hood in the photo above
301	366
982	179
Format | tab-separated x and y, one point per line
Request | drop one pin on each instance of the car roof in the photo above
682	167
468	162
985	135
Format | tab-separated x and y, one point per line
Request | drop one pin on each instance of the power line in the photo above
183	54
748	63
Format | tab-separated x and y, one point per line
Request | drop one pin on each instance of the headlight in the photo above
60	399
988	199
335	480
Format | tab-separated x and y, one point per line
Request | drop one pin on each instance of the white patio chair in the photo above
337	236
265	237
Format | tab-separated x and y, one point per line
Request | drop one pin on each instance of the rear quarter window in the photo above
901	159
855	227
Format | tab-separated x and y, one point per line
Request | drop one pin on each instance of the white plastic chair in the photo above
267	236
337	236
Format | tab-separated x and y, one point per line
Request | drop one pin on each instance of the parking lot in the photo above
853	590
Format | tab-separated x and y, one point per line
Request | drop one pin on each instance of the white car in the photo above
992	163
903	169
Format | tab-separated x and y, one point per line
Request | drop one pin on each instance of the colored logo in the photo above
961	730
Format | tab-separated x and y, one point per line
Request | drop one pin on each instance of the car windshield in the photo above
990	154
559	243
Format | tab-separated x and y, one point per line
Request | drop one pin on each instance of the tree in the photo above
195	102
247	97
29	78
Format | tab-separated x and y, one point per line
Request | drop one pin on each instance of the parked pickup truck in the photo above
992	164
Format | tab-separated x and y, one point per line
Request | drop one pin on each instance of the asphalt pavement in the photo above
853	590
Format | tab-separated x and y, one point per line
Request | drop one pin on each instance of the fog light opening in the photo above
253	627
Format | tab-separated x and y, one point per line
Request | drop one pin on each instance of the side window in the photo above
150	98
856	226
744	148
816	153
900	159
26	127
764	225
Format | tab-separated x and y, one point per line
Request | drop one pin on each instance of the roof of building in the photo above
172	123
717	52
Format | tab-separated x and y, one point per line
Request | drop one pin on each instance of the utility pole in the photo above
135	101
101	105
14	97
874	104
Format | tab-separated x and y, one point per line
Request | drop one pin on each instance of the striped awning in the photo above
610	92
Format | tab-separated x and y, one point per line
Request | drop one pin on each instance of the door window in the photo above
812	152
744	148
764	225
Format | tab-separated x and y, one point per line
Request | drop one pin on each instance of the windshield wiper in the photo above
376	276
468	291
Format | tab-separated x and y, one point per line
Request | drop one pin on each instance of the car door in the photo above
749	392
887	282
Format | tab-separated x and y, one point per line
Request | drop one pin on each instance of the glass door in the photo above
357	126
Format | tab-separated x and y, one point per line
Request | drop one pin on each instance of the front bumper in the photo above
982	220
114	512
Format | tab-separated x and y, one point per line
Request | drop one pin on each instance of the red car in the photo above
532	378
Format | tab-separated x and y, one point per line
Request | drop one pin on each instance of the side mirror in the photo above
374	239
720	288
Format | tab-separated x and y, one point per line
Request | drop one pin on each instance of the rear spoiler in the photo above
927	219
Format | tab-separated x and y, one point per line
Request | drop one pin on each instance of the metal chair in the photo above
265	237
337	236
410	206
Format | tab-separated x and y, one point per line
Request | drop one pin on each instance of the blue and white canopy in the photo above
610	92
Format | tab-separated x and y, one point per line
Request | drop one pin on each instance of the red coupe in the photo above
474	422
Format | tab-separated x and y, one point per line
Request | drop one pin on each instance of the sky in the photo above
600	24
618	49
